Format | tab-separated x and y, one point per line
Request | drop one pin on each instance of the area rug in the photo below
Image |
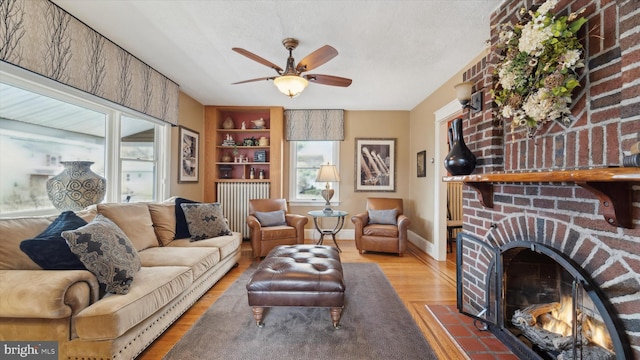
375	325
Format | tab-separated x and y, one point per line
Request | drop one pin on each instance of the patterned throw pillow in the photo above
49	250
205	221
384	217
271	218
107	252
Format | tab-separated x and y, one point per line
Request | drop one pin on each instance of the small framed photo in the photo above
260	156
189	144
421	163
375	165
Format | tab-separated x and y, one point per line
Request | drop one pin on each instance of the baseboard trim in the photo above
421	243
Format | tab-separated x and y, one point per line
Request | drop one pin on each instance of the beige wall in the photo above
414	131
190	115
422	137
367	124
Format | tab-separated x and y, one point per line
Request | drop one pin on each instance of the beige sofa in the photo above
65	305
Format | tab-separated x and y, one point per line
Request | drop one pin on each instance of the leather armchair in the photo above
381	237
265	238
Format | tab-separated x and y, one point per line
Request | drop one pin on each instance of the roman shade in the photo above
43	38
319	125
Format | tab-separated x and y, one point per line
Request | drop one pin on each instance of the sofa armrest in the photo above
253	223
295	220
403	222
360	220
298	222
46	294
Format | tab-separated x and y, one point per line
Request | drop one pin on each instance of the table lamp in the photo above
327	173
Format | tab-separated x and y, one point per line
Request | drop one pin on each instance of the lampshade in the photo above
328	173
463	92
291	85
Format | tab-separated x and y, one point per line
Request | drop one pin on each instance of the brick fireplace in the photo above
568	216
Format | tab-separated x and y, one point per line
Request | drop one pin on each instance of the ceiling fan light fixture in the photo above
291	85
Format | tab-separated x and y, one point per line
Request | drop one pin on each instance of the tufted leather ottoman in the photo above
298	275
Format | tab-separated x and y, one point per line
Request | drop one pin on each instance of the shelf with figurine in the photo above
239	138
246	171
229	124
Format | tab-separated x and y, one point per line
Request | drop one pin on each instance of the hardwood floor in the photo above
417	278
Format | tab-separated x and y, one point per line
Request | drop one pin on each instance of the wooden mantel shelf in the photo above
612	186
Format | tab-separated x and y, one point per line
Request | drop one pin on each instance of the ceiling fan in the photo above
291	81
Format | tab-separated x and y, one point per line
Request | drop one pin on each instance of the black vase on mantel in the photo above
460	160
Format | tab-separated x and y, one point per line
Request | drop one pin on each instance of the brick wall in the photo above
606	109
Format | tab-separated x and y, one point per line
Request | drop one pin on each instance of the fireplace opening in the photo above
537	301
549	310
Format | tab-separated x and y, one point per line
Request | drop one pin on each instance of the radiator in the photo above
234	199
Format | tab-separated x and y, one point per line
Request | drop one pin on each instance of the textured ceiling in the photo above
396	52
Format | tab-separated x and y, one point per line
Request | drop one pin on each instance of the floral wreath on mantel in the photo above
537	70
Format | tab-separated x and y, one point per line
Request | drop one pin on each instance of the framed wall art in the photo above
421	163
189	144
375	168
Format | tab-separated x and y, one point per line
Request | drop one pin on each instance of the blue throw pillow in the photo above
50	250
383	217
271	218
182	229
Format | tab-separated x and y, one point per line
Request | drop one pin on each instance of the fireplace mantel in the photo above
612	186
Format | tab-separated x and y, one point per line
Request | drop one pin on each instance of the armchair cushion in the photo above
384	217
278	233
389	231
106	251
205	221
271	218
50	250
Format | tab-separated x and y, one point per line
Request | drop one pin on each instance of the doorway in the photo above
439	235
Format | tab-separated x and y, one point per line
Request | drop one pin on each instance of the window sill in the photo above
311	203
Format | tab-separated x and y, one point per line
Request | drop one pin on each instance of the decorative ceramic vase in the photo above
460	160
259	124
228	123
263	141
76	187
226	157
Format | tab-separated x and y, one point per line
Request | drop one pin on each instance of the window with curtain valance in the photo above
319	125
43	38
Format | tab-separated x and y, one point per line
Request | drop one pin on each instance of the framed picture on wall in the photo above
421	163
189	143
375	168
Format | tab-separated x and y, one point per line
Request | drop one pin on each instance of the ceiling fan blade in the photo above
316	58
252	80
328	80
257	58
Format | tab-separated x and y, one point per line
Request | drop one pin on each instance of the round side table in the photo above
339	223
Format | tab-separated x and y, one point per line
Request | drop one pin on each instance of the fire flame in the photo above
597	334
562	318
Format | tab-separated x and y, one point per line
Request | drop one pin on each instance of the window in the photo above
306	158
41	126
137	160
